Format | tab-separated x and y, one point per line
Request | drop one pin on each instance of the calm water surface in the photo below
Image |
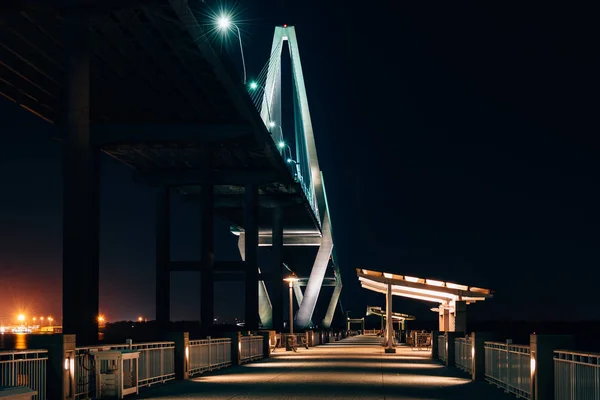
9	341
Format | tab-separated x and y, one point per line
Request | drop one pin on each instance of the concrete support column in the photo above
542	363
81	189
182	353
163	257
251	230
208	259
450	348
478	340
60	381
460	316
277	253
388	317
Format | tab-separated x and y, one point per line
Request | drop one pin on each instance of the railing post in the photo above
266	343
182	354
478	340
434	345
60	368
236	343
450	347
542	363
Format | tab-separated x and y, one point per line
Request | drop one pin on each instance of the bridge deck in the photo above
354	368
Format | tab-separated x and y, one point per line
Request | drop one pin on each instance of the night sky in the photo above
458	142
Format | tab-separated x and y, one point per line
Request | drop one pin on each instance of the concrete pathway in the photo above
354	368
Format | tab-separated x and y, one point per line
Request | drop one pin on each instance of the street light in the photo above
291	279
21	318
224	23
50	319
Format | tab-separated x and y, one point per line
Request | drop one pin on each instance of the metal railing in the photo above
463	354
156	364
371	331
208	354
24	368
442	347
509	366
251	348
576	375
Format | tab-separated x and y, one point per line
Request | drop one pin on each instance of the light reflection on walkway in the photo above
356	368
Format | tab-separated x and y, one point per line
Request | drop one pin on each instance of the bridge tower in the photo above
308	171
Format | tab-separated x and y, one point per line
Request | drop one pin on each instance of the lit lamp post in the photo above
224	23
290	280
50	319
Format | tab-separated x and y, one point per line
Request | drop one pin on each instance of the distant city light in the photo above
224	22
100	318
140	319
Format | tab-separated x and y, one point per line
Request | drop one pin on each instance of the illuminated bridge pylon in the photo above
301	156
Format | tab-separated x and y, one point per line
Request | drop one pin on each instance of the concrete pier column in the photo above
163	257
60	381
207	297
251	230
542	363
277	284
81	189
388	316
460	316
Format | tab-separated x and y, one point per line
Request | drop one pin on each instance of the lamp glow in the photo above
21	317
281	144
224	22
272	124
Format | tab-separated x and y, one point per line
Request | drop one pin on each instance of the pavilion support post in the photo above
208	259
277	253
251	244
81	190
390	326
460	316
444	318
163	258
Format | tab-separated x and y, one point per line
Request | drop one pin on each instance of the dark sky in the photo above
458	141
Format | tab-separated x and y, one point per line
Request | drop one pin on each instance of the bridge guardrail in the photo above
463	354
155	365
509	366
209	354
24	368
251	348
576	375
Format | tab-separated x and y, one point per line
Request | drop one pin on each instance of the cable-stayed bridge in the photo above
140	81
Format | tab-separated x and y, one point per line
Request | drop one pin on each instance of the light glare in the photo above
223	22
281	144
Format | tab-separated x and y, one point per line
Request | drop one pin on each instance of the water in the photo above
16	341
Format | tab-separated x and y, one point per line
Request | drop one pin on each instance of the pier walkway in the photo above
354	368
